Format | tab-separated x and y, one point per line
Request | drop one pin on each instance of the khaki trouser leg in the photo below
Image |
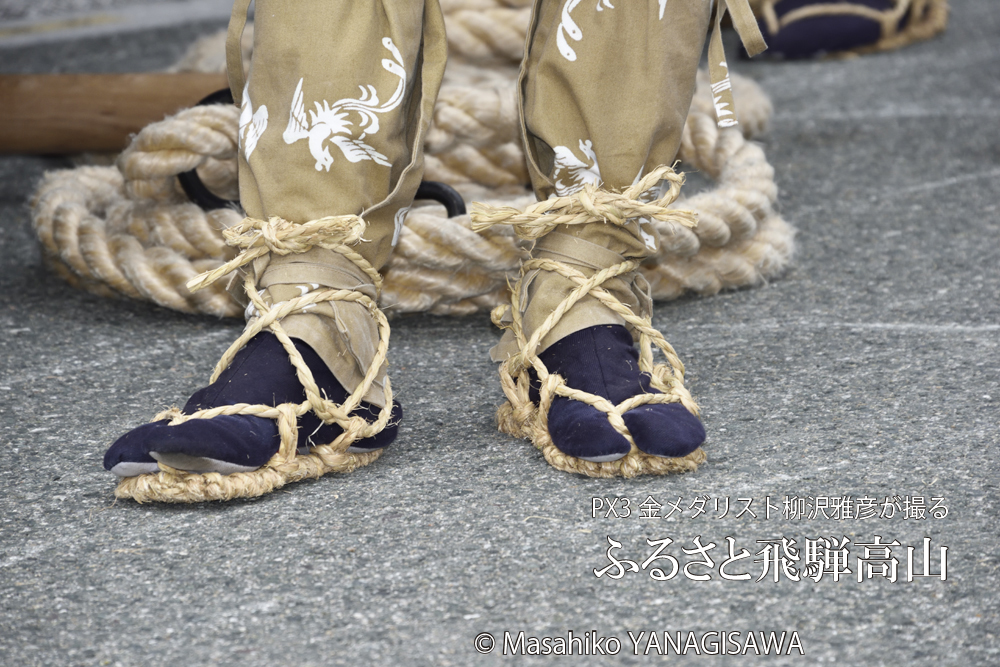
605	89
334	112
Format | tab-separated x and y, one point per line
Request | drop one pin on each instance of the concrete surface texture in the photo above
868	371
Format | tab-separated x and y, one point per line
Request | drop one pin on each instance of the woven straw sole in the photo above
175	486
529	423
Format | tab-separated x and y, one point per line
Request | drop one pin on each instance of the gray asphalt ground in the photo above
869	370
55	10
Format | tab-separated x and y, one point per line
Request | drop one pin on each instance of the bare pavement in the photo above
868	372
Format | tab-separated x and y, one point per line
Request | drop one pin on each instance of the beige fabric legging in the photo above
605	89
341	92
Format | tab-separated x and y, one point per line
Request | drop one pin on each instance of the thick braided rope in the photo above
520	416
195	137
257	238
99	238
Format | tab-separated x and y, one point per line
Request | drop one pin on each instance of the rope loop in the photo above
283	237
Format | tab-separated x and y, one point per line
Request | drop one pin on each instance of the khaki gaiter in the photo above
334	112
604	92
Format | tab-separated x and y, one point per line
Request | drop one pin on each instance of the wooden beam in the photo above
73	113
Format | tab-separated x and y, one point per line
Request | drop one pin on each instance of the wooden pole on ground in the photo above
74	113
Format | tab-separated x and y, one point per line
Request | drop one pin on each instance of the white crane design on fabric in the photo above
252	124
329	121
567	26
399	219
575	171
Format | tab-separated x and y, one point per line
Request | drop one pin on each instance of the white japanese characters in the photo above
781	559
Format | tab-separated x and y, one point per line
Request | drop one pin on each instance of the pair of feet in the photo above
600	360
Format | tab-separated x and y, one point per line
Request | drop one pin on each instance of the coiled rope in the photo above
129	230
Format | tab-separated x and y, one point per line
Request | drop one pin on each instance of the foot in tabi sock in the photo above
602	360
808	28
259	374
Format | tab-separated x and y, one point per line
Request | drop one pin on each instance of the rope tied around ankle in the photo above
258	238
589	205
281	237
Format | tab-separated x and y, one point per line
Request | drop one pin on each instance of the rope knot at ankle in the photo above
592	204
257	238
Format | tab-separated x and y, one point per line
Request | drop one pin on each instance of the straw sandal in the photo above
807	28
524	375
259	238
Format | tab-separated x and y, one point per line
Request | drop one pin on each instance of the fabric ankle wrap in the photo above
588	250
343	333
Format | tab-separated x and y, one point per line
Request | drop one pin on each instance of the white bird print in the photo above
329	122
576	172
399	219
568	27
252	124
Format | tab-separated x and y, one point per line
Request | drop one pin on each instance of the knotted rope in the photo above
520	416
589	205
280	237
256	239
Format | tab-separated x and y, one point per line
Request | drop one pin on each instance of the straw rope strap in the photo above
258	238
923	20
523	418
